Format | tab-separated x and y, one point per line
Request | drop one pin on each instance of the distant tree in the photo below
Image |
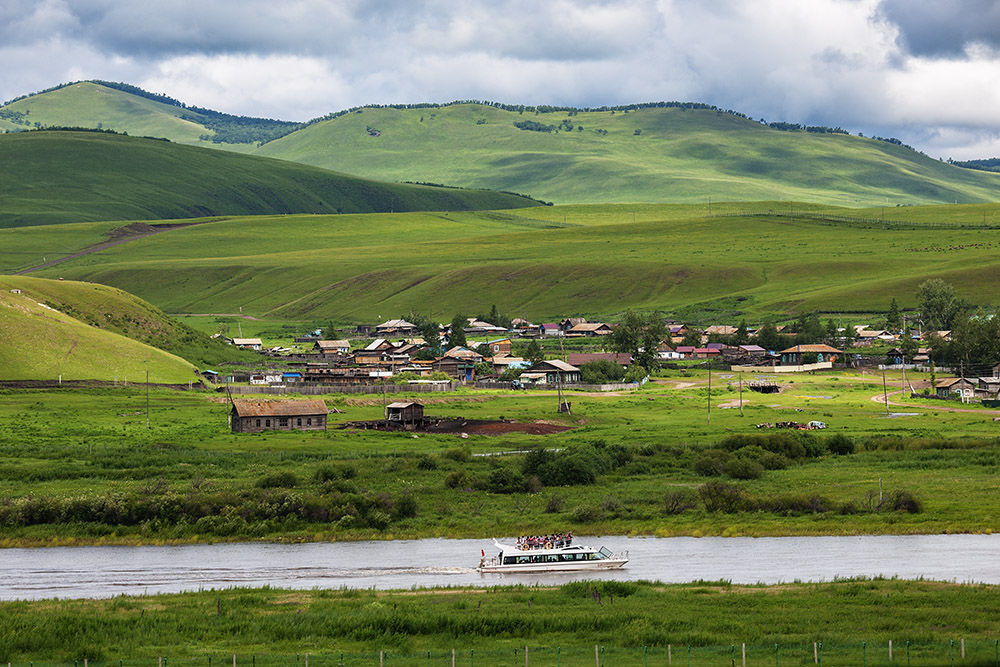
939	305
533	352
640	335
601	372
908	346
741	336
831	331
458	324
429	330
692	337
976	340
767	337
893	320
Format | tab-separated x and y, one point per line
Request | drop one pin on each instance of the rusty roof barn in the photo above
249	416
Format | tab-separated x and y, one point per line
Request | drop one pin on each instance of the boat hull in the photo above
529	568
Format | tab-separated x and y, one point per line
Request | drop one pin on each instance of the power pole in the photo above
147	398
709	391
885	393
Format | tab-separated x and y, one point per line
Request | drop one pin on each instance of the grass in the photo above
60	176
40	343
70	457
114	311
541	263
492	626
680	156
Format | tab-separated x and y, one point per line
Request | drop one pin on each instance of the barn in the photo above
247	416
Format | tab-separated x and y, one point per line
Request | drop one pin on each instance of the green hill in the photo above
39	340
644	155
753	258
61	176
678	153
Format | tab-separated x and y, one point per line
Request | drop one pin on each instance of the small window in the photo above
309	421
283	421
267	422
258	422
298	421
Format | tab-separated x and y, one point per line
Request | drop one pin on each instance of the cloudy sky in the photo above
926	71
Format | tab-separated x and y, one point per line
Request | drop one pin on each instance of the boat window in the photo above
523	559
509	560
604	553
552	558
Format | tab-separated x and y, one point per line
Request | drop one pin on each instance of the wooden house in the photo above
332	346
557	371
249	343
590	329
248	416
800	354
960	387
497	348
405	412
397	328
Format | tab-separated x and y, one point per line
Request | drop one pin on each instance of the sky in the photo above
925	71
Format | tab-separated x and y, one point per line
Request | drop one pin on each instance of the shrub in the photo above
503	479
796	503
555	504
406	506
711	462
601	371
535	459
840	444
721	497
278	480
743	468
681	500
905	501
585	514
426	463
789	445
457	479
460	454
769	460
329	472
378	520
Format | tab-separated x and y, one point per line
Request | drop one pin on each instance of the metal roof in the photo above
248	408
403	404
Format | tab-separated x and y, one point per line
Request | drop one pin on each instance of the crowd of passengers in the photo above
555	541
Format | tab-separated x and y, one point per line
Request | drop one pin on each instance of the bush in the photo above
601	371
905	501
504	480
278	480
744	468
721	497
535	459
378	520
426	463
789	445
681	500
797	503
457	479
460	454
406	506
711	462
840	444
328	472
585	514
555	504
769	460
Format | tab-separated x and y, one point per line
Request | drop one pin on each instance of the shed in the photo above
405	412
248	416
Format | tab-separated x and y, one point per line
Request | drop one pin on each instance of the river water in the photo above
93	572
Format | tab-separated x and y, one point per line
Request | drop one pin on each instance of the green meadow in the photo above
851	622
67	177
81	466
739	259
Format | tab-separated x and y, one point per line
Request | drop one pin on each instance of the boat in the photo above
561	556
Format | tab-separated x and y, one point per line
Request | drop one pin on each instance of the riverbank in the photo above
852	620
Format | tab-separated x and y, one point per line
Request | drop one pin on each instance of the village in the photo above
571	354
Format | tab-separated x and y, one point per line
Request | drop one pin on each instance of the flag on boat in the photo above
483	552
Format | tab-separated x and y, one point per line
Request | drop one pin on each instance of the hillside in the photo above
644	155
753	258
117	311
677	154
39	341
60	176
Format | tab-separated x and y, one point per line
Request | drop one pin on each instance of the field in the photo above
745	259
703	623
81	465
53	177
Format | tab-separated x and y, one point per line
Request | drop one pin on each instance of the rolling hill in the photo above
754	259
668	153
39	340
73	176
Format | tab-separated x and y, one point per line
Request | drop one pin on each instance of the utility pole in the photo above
885	393
147	398
710	391
741	393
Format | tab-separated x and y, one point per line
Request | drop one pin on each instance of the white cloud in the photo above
835	62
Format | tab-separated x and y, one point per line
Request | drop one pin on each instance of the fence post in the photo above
452	657
963	653
234	660
525	656
815	653
670	658
597	657
744	654
380	659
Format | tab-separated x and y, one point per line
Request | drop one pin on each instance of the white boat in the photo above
572	557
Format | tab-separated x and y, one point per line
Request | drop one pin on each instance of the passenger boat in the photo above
552	557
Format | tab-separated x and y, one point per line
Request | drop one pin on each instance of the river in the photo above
94	572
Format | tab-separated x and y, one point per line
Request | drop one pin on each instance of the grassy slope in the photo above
544	262
49	177
40	343
681	155
113	310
